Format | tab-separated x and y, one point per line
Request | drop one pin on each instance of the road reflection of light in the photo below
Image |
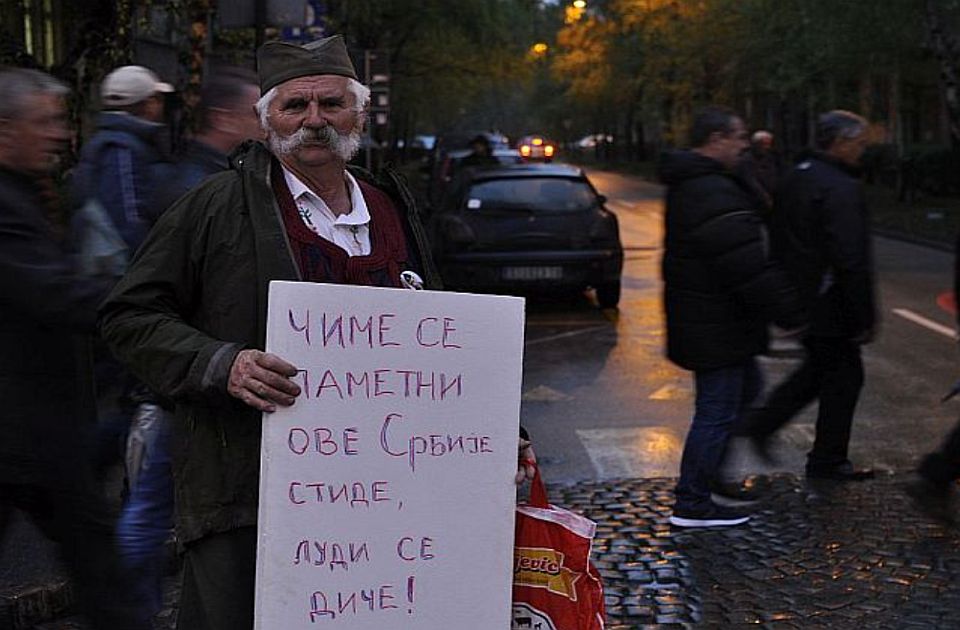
635	452
660	443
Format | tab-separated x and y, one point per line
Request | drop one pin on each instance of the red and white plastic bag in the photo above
555	586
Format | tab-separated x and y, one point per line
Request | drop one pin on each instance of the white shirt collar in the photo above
358	215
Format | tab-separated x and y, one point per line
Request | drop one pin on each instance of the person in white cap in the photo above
121	165
122	170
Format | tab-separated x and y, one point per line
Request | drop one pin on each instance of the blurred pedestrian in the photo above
481	154
227	118
821	233
933	488
721	289
116	188
761	166
126	162
48	312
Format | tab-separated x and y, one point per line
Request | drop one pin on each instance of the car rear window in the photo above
531	194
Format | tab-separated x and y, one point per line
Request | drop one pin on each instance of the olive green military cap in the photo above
281	61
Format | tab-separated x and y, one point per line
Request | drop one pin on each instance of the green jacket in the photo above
194	296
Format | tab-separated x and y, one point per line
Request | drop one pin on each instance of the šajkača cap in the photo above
281	61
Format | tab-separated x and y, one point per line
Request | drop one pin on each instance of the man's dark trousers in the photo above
206	595
832	372
721	397
943	466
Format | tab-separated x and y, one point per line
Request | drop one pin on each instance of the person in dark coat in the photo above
821	233
47	316
226	118
189	317
721	290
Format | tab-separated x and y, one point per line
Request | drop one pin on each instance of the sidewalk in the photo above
832	556
824	556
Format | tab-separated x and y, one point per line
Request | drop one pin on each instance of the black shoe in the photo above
712	515
840	472
736	490
931	498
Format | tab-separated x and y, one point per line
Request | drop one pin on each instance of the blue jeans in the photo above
147	518
721	397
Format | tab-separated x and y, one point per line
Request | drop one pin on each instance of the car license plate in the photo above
532	273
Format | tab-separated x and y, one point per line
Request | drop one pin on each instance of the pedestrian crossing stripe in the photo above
542	393
634	452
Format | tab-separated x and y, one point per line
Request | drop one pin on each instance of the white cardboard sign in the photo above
386	491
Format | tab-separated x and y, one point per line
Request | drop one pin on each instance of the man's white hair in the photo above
361	94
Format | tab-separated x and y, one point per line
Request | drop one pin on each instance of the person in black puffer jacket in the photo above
821	233
721	291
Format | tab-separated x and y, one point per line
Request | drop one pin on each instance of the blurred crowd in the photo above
65	238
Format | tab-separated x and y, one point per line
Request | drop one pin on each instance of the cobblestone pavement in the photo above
831	555
814	556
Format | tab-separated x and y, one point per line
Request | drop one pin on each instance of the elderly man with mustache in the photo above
189	317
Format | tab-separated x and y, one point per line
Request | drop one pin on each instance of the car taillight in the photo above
457	232
605	228
548	150
525	150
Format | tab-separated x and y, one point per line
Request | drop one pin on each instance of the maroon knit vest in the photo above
320	260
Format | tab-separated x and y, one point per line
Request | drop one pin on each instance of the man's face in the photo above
33	141
153	108
730	146
850	150
247	121
241	120
313	120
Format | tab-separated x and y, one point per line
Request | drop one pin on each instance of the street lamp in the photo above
575	11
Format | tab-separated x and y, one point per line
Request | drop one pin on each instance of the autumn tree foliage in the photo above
780	62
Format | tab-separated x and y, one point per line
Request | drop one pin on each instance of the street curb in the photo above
40	603
43	602
914	240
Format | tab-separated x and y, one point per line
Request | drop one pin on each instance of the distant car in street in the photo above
536	148
528	228
592	140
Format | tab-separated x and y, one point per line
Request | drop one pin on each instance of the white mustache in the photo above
344	145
